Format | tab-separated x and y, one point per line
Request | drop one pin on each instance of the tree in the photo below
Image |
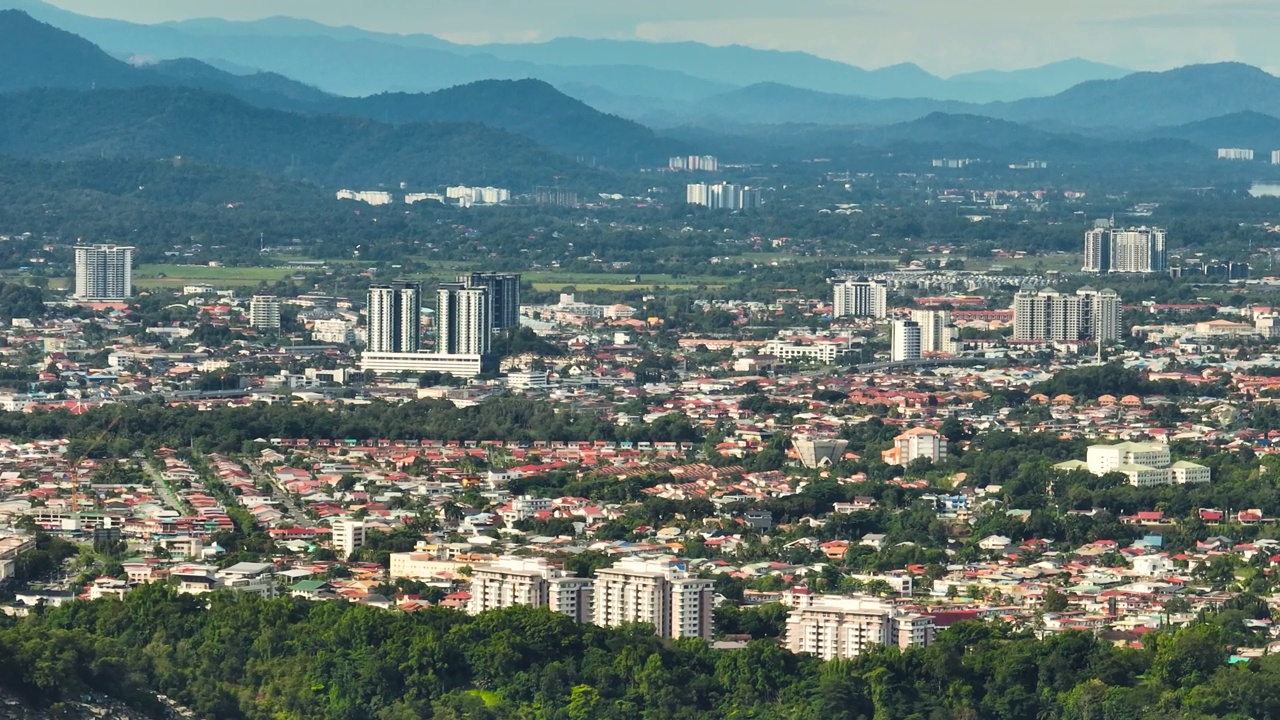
1055	601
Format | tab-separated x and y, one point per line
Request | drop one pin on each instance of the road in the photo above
162	488
292	510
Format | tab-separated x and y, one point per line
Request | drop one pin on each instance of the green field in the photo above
168	276
552	280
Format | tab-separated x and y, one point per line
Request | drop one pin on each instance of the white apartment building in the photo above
369	197
104	272
394	318
861	298
511	581
906	341
1049	315
1235	154
334	330
468	196
1144	464
834	627
348	535
723	196
657	592
264	312
916	443
825	353
464	324
694	163
1127	250
1275	157
937	333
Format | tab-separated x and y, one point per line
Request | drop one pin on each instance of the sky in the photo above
943	36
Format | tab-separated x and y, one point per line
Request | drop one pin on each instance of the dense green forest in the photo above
243	657
122	429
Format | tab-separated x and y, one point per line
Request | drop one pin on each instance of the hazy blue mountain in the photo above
1155	99
773	103
36	55
1243	129
1041	81
351	61
212	128
530	108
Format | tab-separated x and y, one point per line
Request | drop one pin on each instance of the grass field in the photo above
551	280
179	275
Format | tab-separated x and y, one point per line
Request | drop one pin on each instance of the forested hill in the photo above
35	55
156	122
231	657
531	108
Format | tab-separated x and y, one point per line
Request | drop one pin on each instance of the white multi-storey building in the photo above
694	163
1049	315
825	352
1235	154
511	581
1144	464
333	330
1128	250
349	534
723	196
914	444
657	592
937	333
369	197
834	627
264	312
104	272
468	196
463	322
859	297
906	341
394	317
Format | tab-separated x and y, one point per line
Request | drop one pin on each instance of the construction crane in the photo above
74	463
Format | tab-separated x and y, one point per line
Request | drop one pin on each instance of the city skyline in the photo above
944	38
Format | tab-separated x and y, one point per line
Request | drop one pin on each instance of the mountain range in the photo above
351	61
61	98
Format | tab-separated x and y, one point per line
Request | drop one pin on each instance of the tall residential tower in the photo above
104	272
394	312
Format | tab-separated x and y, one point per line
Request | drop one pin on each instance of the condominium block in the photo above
834	627
657	592
349	535
914	444
463	323
395	312
937	333
1127	250
104	272
503	299
1143	464
906	341
511	581
859	297
1235	154
264	312
1049	315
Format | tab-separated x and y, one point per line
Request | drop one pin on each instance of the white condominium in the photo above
394	312
657	592
511	581
1049	315
1130	250
723	196
906	341
834	627
348	535
861	298
914	444
104	272
264	312
937	334
1235	154
464	325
